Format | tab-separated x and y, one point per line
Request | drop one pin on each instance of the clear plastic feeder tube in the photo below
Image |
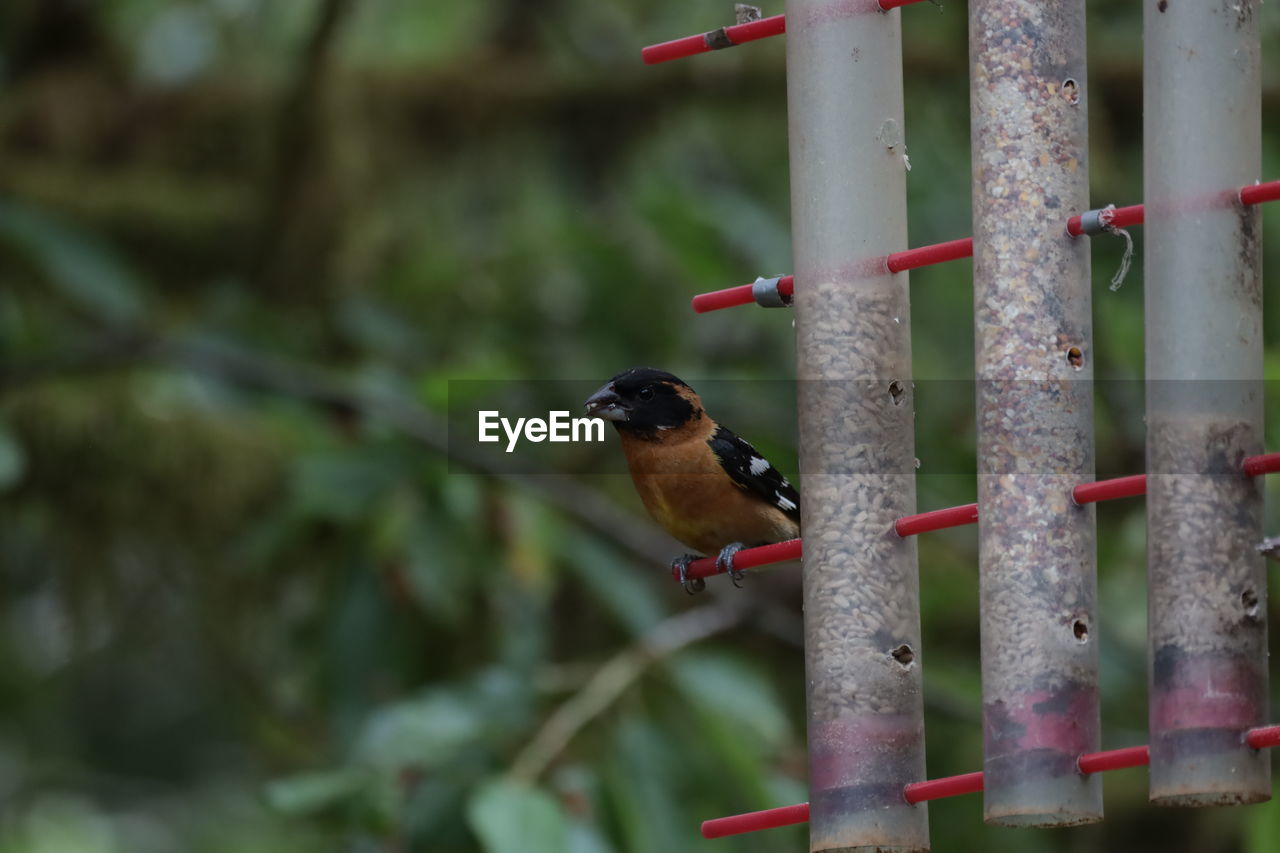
853	346
1207	595
1034	366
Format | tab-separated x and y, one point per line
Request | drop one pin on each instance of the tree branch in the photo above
255	370
262	372
299	209
617	674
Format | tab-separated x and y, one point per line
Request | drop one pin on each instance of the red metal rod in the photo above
1267	463
1114	759
1123	217
951	786
675	49
1263	737
938	519
958	516
740	295
947	786
926	255
726	298
1258	193
1120	217
1105	490
897	262
753	821
778	552
730	36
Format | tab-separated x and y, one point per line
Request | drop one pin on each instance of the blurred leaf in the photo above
785	789
57	822
615	581
535	532
510	817
435	810
1262	831
643	776
178	44
394	525
463	495
438	572
427	731
377	329
13	460
311	792
77	263
584	838
429	548
344	485
442	723
731	688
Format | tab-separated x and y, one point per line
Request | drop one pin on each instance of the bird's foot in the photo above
680	569
724	562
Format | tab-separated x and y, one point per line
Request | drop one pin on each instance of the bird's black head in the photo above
645	402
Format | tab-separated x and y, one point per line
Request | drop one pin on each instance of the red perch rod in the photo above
731	36
741	295
1115	217
951	786
958	516
714	40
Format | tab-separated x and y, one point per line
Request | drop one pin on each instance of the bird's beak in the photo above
606	404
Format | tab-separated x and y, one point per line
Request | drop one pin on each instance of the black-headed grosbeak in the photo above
706	486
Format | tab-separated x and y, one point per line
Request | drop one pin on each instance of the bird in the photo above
702	483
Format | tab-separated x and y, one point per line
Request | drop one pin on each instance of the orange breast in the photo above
689	494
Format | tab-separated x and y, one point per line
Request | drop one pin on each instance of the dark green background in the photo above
247	602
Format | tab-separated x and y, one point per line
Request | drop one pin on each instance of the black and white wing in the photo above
751	471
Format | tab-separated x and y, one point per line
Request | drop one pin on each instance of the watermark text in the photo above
558	426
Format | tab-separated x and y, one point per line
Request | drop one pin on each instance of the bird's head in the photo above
645	402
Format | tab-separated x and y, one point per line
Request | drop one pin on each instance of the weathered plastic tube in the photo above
1206	583
853	348
1035	412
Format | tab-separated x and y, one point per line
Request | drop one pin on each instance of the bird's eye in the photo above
646	393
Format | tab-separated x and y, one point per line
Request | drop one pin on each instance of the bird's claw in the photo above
680	569
724	562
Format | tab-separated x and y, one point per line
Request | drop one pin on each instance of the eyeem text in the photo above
558	427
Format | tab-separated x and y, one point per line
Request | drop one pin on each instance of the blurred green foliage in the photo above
250	604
